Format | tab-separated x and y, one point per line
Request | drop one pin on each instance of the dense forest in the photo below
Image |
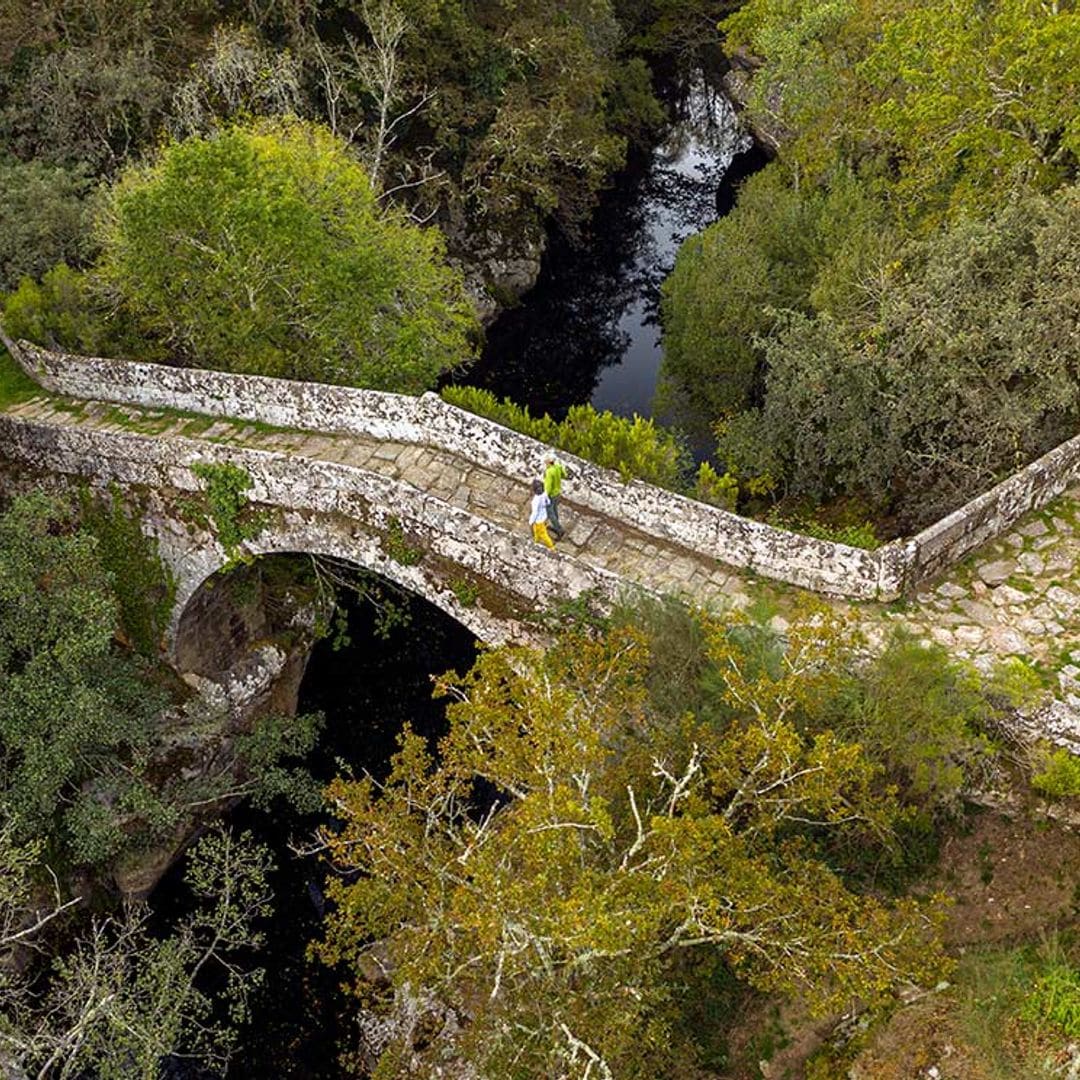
912	250
672	842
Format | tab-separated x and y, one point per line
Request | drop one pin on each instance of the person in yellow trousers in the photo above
538	516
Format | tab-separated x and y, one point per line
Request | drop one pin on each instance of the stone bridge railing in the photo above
818	565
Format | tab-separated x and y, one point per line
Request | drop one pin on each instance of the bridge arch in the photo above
201	564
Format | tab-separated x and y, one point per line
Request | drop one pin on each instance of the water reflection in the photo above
589	330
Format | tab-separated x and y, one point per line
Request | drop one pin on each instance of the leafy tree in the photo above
665	26
503	113
979	98
82	720
972	347
489	118
263	249
963	101
729	281
89	84
543	879
72	711
924	717
807	93
122	998
44	219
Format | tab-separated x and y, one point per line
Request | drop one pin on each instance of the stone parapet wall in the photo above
320	507
256	398
819	565
992	513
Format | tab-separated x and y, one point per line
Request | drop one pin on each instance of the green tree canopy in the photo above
264	249
87	726
551	873
966	366
72	712
730	280
978	98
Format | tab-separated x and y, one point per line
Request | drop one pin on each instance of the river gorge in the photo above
588	332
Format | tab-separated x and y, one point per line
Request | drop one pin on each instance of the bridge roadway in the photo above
1019	597
612	552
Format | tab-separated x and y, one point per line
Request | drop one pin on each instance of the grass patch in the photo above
15	385
1011	1004
1020	584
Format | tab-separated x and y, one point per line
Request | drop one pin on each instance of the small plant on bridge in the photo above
397	545
467	592
228	505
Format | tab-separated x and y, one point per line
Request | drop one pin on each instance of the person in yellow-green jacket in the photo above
554	474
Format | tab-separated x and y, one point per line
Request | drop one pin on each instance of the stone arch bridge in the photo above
436	500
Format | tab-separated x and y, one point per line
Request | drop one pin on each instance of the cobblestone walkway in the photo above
594	539
1017	597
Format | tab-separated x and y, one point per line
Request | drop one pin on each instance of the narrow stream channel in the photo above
589	330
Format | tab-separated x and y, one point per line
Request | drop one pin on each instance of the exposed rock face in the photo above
737	82
498	274
242	646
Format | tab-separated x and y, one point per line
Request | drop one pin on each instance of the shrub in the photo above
264	248
919	713
857	534
1054	1002
58	312
711	487
637	448
225	488
1059	776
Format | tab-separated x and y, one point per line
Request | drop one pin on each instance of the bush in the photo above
972	346
43	219
859	534
264	249
228	504
57	313
711	487
920	714
1055	1001
1059	776
637	448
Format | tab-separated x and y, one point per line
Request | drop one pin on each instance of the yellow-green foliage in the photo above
711	487
568	839
226	485
264	248
1055	1000
56	311
1059	776
636	448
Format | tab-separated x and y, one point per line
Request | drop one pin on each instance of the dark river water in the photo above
588	331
